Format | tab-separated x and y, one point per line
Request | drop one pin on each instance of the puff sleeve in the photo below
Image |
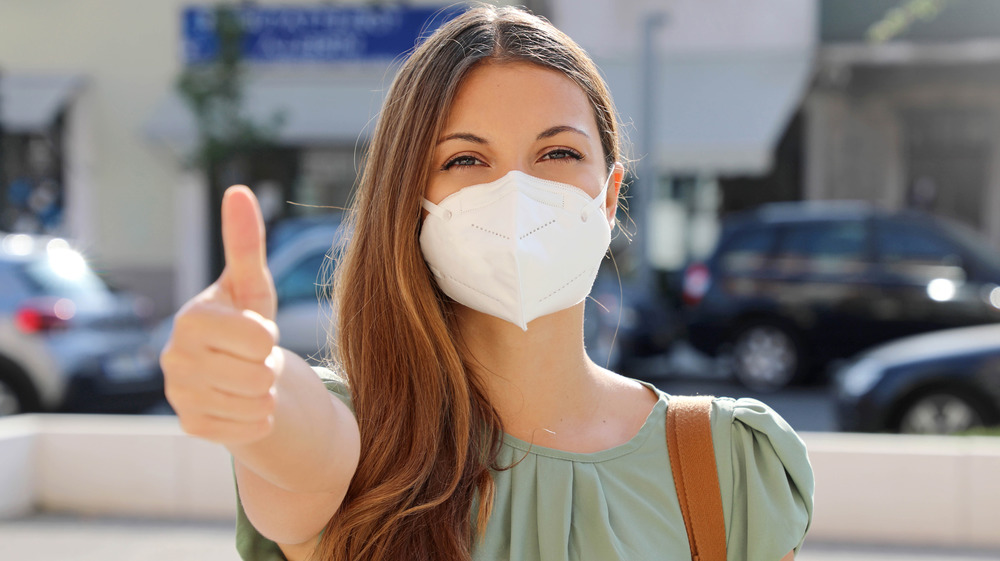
250	544
765	479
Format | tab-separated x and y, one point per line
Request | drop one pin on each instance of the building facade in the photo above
706	89
92	119
911	122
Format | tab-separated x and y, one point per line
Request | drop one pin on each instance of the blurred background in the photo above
812	214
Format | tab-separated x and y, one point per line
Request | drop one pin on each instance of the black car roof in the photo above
803	211
797	212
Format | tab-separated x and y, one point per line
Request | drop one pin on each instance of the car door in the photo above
924	283
825	281
304	315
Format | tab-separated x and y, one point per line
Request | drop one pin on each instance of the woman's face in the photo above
520	116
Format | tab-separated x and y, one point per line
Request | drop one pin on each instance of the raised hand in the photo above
221	363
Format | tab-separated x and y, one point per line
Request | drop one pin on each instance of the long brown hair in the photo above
429	435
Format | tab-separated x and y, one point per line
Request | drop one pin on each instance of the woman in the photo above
468	421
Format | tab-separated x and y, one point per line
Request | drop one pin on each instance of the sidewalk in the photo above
70	538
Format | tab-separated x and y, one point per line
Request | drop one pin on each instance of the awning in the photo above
714	114
323	108
31	102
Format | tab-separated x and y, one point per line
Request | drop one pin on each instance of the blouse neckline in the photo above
650	425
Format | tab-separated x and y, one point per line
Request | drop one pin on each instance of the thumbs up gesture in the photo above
221	364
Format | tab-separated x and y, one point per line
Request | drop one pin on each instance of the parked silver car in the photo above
299	257
301	264
68	342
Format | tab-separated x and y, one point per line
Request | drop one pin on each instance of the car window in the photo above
916	253
910	243
747	250
64	274
822	247
974	243
286	231
14	289
301	281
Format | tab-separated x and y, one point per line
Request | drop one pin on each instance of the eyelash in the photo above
564	153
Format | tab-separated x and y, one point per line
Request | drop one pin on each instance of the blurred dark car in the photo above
625	328
936	383
792	286
68	342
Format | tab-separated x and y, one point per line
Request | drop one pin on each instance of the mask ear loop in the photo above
435	210
598	200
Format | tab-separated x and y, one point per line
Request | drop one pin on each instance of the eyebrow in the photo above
463	136
552	131
547	133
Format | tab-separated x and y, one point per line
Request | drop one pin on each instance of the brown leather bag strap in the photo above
692	460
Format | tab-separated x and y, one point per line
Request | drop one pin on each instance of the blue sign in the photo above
315	34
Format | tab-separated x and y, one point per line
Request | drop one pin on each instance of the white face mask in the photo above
518	248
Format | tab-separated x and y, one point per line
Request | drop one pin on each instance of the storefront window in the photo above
31	189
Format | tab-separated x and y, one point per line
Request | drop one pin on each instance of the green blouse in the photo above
620	503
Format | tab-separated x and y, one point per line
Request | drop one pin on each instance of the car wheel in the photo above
765	357
17	393
11	402
940	412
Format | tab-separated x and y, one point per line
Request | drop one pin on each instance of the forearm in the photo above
314	444
293	520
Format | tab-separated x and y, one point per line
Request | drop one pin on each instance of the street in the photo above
69	538
684	371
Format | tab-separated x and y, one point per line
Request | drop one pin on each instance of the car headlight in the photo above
859	378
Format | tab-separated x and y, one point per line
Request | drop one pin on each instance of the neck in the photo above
540	379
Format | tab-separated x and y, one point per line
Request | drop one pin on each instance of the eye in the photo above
562	154
461	161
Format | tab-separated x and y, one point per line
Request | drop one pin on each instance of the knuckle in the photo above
194	314
267	405
263	427
272	331
177	395
260	350
193	425
185	324
260	379
261	338
171	360
261	329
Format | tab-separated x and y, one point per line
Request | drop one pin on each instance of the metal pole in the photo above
645	190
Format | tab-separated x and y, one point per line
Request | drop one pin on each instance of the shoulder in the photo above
748	423
764	474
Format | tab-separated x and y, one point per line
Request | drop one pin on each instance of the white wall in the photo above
126	52
889	489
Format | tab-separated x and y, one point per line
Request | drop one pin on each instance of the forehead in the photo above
519	94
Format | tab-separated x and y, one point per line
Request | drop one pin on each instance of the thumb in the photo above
246	276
